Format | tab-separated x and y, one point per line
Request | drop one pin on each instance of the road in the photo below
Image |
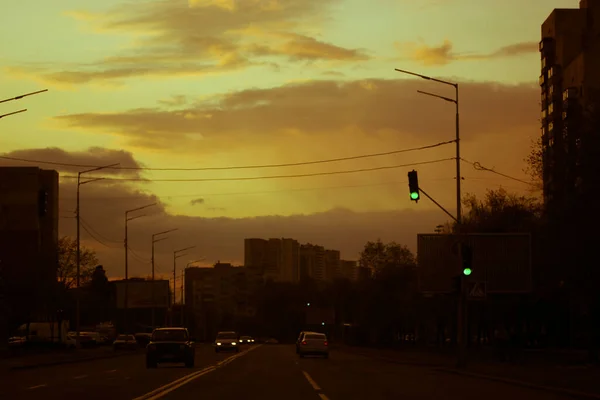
266	372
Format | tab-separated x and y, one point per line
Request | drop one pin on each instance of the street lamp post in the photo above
126	294
78	254
176	255
153	297
19	98
462	301
457	130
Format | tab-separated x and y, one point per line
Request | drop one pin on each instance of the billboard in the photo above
501	261
140	294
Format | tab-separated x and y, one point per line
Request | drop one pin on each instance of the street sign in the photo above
477	291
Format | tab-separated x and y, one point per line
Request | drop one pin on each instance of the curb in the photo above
69	361
515	382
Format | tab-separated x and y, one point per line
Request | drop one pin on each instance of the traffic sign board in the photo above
477	291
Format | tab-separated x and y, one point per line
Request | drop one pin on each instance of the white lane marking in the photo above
80	377
37	386
311	381
169	387
314	385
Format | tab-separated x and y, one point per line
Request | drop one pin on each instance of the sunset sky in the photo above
220	83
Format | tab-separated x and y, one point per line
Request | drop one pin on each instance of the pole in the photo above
182	278
126	295
78	259
153	296
458	177
174	285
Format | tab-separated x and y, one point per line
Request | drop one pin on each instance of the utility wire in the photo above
252	178
331	160
477	165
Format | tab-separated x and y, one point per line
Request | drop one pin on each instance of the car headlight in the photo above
233	343
218	344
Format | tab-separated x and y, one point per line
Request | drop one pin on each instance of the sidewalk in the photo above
580	378
59	357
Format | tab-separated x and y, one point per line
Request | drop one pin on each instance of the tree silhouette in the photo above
376	256
67	263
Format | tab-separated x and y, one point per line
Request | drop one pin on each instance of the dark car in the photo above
170	345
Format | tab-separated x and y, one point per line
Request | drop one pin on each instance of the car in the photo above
170	345
125	342
314	343
246	340
299	340
227	341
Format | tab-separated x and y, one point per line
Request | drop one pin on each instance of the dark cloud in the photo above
321	108
59	159
197	201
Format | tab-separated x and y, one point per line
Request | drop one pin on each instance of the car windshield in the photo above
246	337
315	336
125	337
227	335
168	335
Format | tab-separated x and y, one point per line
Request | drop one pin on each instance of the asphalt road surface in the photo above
265	372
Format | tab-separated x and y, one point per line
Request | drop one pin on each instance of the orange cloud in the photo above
206	37
444	53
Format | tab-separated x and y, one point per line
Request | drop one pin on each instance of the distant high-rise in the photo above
570	83
277	258
312	262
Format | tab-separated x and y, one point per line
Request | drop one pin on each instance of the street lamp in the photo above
154	235
19	98
126	294
78	256
176	255
457	128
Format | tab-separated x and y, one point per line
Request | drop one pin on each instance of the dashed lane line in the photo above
315	386
80	377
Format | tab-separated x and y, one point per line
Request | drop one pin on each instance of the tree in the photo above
535	164
501	212
376	256
67	263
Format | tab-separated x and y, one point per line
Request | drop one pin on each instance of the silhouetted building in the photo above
333	265
349	269
570	83
29	244
312	262
277	258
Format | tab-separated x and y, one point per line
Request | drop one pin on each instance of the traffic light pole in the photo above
437	204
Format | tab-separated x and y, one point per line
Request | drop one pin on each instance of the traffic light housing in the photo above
43	203
457	284
413	186
466	254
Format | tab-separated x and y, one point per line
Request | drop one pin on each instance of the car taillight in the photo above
304	342
325	343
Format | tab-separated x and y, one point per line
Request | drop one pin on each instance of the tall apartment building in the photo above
349	269
570	84
312	262
28	242
277	258
333	265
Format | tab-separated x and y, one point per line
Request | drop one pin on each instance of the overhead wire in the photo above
331	160
252	178
477	165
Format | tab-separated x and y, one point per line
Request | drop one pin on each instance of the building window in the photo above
550	108
544	113
551	91
564	115
550	72
550	127
543	62
550	142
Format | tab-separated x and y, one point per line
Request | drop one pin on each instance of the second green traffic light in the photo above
413	185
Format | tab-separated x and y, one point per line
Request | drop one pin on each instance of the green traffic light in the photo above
467	271
414	195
